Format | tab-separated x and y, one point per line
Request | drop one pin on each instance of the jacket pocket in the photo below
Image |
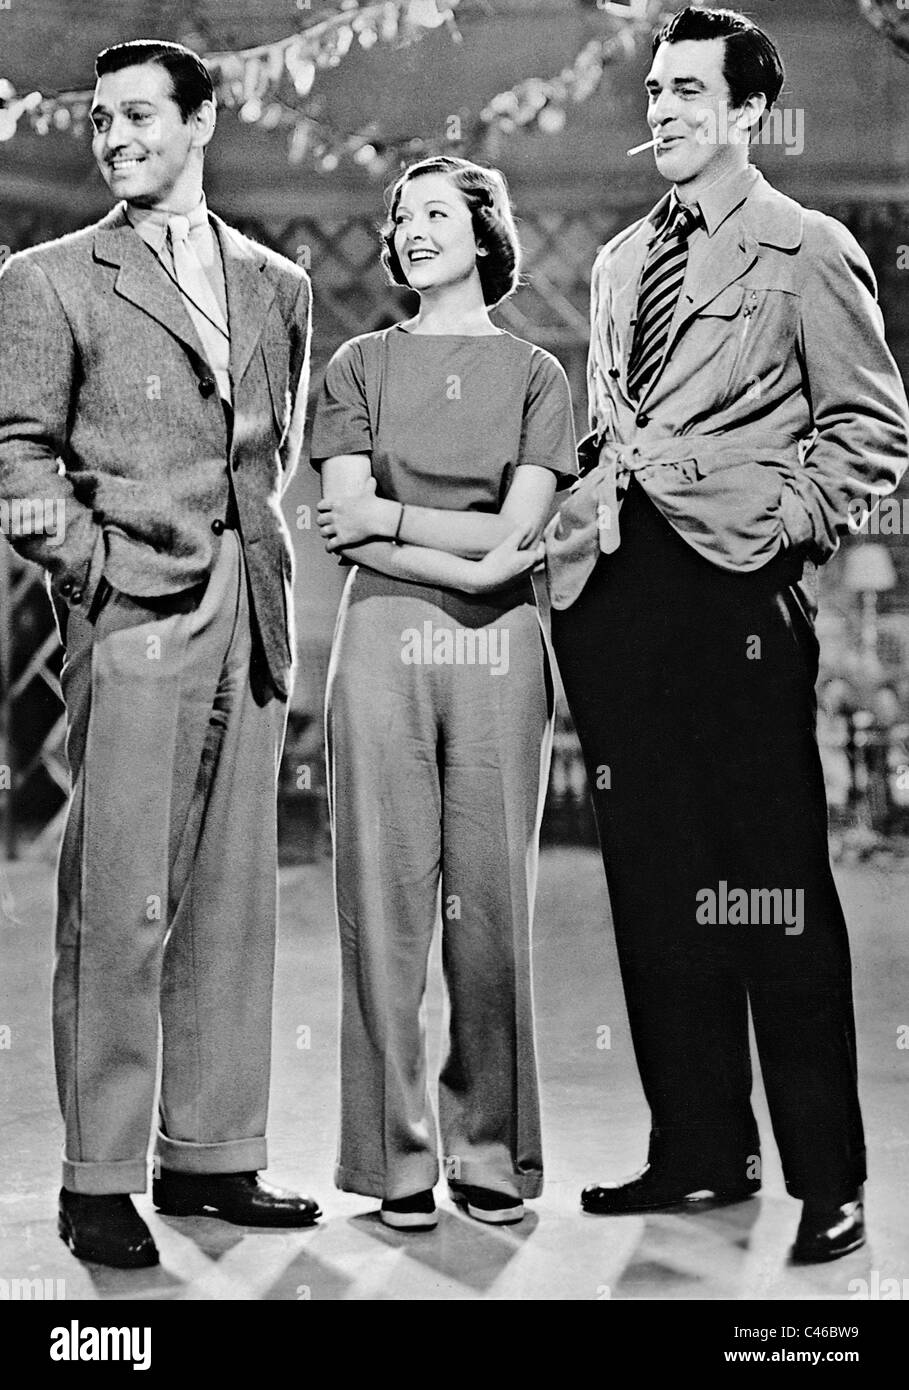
725	305
765	327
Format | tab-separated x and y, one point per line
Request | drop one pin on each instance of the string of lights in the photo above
271	86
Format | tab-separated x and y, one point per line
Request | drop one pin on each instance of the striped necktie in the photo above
661	283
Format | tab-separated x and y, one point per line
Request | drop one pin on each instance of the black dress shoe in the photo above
654	1190
414	1213
495	1208
827	1231
242	1198
105	1229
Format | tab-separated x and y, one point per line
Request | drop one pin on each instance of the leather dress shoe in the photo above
827	1231
653	1190
414	1213
105	1229
241	1198
483	1204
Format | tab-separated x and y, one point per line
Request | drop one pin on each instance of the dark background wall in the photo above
571	189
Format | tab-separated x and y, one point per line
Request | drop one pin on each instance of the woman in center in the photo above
441	442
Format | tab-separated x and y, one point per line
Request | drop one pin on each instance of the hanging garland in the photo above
266	84
890	18
262	84
536	102
249	81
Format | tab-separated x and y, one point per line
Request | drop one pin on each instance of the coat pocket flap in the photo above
724	305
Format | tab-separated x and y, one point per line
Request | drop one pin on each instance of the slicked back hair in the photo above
189	77
751	61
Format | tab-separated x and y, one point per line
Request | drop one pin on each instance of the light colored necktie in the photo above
190	271
200	298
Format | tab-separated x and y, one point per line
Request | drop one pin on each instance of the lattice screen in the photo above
350	296
34	777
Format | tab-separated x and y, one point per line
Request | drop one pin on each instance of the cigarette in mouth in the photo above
647	145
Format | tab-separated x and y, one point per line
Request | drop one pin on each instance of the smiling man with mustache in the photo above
742	397
154	371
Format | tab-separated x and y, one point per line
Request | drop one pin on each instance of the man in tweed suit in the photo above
154	371
742	399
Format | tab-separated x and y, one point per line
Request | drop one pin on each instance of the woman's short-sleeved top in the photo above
455	415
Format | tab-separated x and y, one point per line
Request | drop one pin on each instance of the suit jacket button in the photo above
642	421
66	587
76	596
218	527
206	386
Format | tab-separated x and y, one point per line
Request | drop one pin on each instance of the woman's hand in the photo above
506	562
347	520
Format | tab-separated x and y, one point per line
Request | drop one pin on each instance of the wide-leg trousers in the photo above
692	691
166	902
438	766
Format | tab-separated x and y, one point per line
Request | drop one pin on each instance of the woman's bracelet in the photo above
396	538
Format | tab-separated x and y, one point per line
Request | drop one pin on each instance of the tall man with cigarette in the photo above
742	396
154	372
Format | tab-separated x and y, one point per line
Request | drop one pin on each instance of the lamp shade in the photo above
869	569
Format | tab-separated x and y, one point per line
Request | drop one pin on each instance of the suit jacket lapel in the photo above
764	216
250	291
714	264
142	280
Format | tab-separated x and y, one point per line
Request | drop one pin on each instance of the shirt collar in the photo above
151	223
723	197
673	203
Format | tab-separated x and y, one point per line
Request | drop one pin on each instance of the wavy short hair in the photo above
751	60
486	194
190	79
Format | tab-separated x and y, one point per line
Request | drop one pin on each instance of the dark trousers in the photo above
692	691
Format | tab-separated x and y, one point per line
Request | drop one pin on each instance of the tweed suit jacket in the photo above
108	408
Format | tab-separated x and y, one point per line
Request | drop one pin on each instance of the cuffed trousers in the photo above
438	767
692	690
166	888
